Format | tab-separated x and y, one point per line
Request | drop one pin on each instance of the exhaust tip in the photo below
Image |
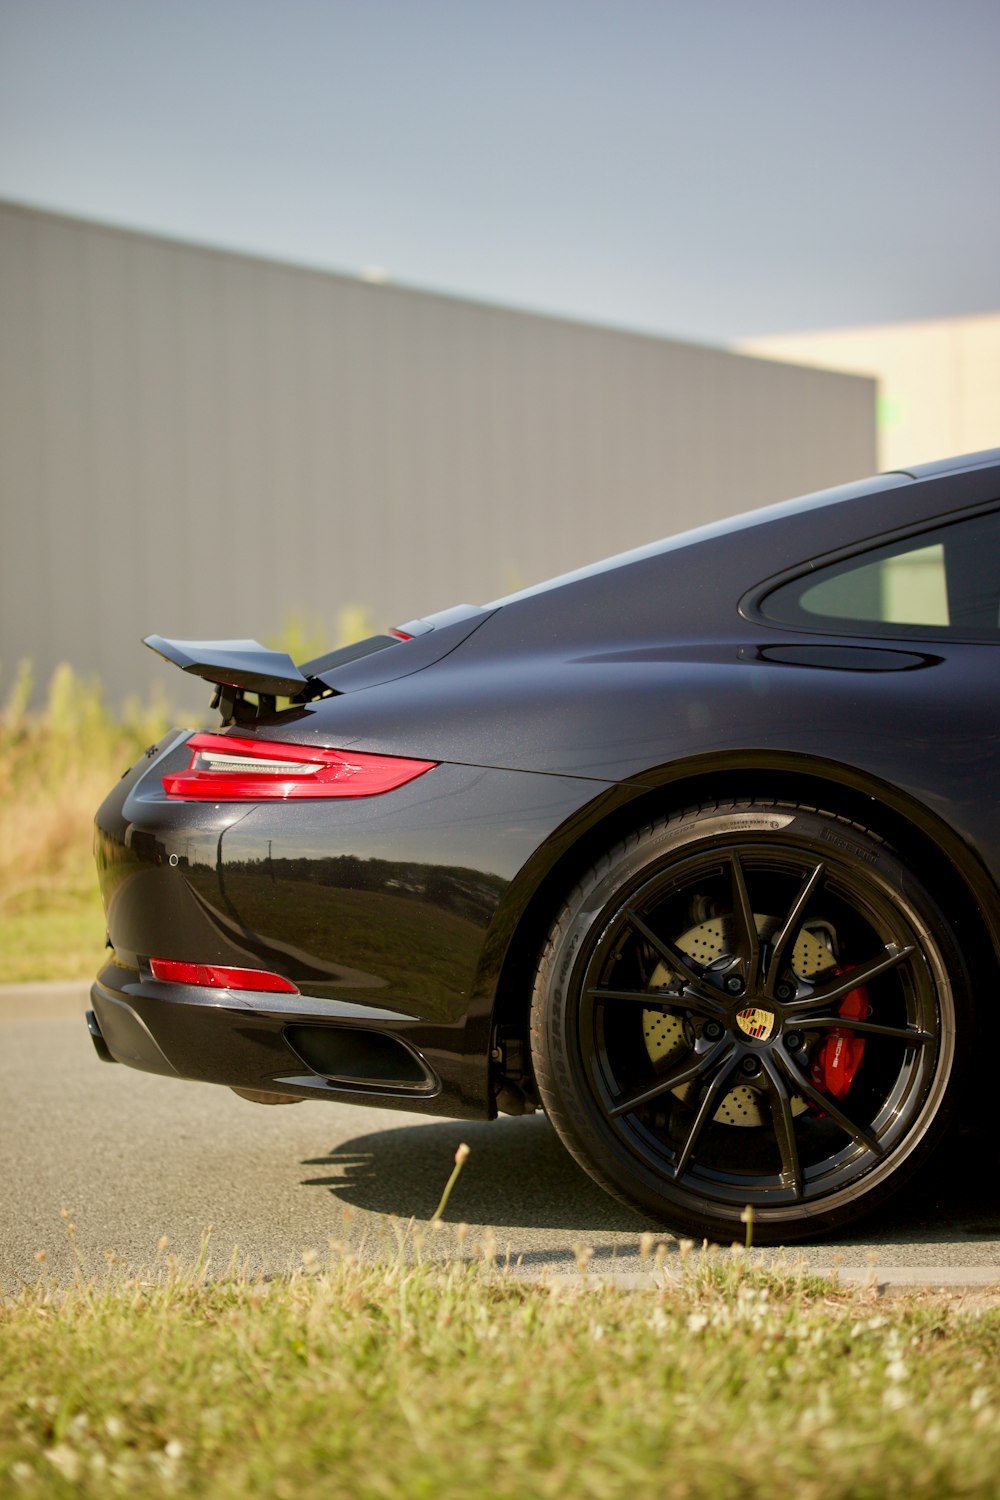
96	1036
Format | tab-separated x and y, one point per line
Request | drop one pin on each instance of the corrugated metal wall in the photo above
201	443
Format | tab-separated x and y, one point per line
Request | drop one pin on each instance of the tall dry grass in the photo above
57	763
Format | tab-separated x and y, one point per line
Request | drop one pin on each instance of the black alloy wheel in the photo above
751	1005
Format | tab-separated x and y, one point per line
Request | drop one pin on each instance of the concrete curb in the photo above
884	1280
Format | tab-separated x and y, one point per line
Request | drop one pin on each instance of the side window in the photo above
944	582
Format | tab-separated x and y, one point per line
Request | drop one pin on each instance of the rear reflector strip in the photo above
225	768
214	976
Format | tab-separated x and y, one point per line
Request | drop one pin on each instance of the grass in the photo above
430	1376
57	763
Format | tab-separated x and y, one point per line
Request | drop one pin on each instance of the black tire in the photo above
692	1059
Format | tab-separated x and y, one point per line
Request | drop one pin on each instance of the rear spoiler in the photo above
241	664
240	667
237	668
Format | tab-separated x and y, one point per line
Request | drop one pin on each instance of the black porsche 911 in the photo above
698	849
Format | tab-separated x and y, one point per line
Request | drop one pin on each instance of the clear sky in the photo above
708	169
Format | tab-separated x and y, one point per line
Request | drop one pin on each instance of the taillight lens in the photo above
226	769
218	977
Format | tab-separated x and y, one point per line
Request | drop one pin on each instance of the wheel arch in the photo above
950	870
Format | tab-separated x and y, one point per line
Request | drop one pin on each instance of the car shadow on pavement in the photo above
956	1197
518	1175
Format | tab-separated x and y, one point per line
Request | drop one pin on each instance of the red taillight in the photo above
217	977
226	769
401	635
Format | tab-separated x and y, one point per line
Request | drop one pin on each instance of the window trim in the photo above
751	605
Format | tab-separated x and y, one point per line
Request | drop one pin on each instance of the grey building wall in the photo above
200	443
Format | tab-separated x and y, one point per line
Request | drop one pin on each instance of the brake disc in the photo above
664	1035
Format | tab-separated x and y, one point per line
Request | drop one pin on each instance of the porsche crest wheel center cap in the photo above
756	1023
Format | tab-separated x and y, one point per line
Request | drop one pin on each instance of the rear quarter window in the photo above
944	582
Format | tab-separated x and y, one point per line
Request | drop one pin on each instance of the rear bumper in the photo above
392	915
301	1046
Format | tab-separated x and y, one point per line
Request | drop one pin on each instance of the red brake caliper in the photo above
839	1055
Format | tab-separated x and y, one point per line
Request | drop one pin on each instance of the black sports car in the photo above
697	848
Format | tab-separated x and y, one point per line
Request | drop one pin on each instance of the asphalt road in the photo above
135	1157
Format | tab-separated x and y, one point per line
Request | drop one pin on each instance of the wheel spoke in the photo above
671	955
693	1066
790	927
650	998
783	1120
699	1004
706	1109
866	1028
804	1086
747	940
853	979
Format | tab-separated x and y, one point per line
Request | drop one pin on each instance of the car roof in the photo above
729	524
939	466
820	500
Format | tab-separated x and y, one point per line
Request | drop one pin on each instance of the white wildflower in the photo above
65	1460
